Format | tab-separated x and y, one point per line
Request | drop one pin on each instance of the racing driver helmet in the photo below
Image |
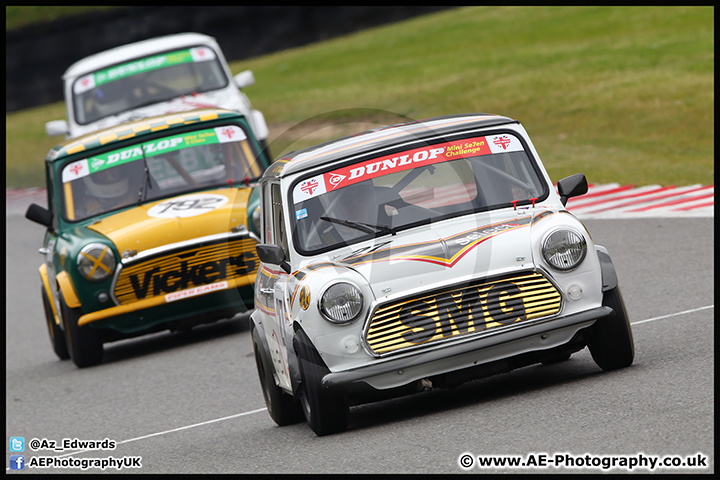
356	203
109	184
110	98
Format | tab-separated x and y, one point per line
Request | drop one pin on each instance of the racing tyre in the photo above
326	410
611	343
281	406
84	344
57	336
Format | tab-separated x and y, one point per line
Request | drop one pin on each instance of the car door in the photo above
48	251
272	283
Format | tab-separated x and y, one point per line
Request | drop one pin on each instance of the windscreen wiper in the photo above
364	227
146	183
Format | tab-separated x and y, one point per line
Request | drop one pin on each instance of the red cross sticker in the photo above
75	169
503	142
309	186
228	132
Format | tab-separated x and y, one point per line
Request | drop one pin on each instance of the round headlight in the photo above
341	303
564	249
96	262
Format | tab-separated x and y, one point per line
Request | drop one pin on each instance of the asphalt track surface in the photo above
192	403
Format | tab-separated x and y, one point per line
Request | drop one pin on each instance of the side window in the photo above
50	175
267	236
279	232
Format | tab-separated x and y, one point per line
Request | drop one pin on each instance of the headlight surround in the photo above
96	262
564	249
341	303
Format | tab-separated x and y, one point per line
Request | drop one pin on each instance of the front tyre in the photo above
326	410
57	336
281	406
84	344
611	343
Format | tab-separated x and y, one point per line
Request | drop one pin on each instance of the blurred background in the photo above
622	94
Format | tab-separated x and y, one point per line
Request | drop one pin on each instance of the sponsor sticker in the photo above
202	54
191	292
83	84
300	214
304	297
76	170
312	187
81	168
504	143
88	82
230	133
187	206
407	160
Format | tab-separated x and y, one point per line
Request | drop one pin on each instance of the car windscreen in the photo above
155	169
146	81
386	194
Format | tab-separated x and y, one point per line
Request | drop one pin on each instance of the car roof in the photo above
379	139
144	126
131	51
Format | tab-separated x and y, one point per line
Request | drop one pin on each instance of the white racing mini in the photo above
168	74
422	255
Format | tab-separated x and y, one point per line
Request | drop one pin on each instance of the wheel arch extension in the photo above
48	291
293	364
607	268
68	291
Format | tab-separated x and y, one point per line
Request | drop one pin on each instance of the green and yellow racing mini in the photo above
151	225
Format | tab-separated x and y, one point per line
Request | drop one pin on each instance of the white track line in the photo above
672	315
187	427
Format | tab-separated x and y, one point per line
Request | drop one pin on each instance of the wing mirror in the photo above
572	186
244	79
40	215
56	127
273	254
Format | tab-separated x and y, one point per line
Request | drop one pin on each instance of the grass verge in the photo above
622	94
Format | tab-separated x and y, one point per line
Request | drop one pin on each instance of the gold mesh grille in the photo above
460	311
192	267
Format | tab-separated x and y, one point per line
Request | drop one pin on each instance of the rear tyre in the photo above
57	336
84	344
611	343
326	410
281	406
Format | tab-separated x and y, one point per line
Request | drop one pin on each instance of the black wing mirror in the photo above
572	186
40	215
273	254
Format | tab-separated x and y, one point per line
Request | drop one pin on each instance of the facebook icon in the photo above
17	462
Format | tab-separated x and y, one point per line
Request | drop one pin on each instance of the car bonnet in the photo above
445	253
177	219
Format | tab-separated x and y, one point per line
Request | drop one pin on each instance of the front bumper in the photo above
130	321
401	371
